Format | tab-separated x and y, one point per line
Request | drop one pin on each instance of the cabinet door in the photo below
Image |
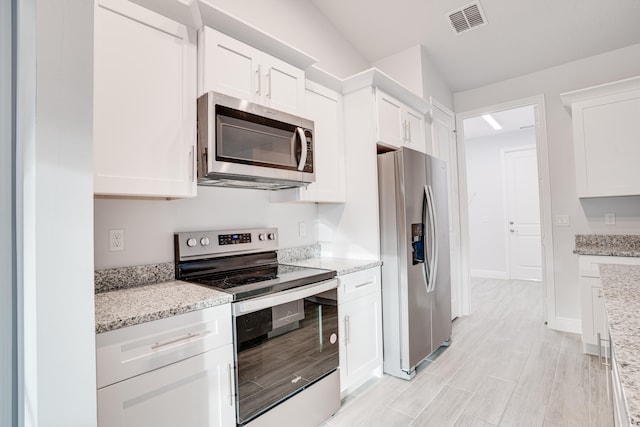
415	131
228	66
605	132
391	128
198	391
283	85
361	343
144	103
324	107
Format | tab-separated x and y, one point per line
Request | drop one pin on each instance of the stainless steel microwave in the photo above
242	144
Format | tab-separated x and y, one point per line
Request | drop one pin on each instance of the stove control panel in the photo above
209	244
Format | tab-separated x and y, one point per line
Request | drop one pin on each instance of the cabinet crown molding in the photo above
375	77
569	98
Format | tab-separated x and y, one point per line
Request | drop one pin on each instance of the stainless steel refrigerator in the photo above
414	246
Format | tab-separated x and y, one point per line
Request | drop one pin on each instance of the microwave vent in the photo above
466	18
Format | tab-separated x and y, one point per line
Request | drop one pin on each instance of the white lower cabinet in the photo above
592	303
360	328
620	416
194	392
177	371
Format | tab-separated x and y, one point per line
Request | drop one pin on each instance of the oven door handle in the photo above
249	306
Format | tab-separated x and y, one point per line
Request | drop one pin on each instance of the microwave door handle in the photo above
303	146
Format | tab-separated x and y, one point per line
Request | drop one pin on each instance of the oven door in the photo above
283	343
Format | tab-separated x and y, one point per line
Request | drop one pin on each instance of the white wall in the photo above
414	69
302	25
149	224
57	221
611	66
487	211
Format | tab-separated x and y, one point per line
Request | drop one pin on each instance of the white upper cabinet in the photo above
324	107
606	125
399	125
229	66
144	103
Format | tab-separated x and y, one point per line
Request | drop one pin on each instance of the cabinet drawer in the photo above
355	285
133	350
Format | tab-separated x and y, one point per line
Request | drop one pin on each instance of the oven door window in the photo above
282	349
245	138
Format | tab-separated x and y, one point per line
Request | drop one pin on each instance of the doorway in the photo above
505	196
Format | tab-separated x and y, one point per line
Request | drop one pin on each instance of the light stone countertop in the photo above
623	245
131	306
621	289
341	265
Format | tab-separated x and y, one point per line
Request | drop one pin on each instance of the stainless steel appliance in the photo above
414	238
241	144
285	325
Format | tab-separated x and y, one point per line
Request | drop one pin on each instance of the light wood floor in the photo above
504	367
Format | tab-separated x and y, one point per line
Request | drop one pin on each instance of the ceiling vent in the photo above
467	17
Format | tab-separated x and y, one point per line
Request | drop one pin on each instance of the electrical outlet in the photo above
610	219
116	240
562	221
302	229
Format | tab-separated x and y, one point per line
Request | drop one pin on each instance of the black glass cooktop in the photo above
253	282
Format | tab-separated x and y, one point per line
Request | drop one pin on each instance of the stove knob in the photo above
204	241
272	236
262	236
192	242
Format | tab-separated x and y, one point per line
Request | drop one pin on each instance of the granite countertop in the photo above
621	286
134	305
625	245
341	265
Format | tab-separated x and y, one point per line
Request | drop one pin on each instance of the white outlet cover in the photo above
610	219
562	221
116	240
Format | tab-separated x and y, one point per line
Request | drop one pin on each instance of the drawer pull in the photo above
190	335
363	284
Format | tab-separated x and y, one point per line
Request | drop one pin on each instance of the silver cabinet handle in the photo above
259	77
600	340
170	341
512	230
409	131
269	84
363	284
230	367
347	335
191	165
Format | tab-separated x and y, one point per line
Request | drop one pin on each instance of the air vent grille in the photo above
467	17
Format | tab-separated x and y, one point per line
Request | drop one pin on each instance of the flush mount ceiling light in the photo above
467	17
489	119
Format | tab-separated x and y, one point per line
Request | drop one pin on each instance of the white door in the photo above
444	147
523	214
283	85
415	137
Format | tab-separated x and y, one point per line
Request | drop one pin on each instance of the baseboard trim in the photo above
489	274
567	324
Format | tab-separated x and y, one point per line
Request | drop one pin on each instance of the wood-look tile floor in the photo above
504	367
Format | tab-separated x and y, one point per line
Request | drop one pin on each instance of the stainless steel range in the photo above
285	325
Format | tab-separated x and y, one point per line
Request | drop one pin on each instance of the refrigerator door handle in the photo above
426	265
433	226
